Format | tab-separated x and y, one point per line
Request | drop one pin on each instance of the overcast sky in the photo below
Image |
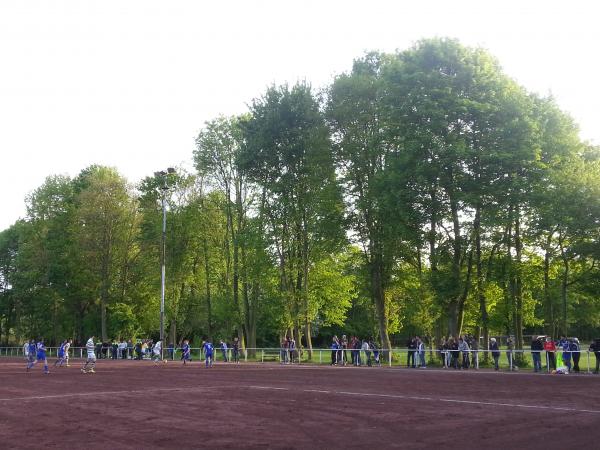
129	83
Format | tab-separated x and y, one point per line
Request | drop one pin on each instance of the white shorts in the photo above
91	356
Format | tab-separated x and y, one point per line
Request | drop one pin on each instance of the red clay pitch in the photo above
136	405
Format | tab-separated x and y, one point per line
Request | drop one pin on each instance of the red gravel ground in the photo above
136	405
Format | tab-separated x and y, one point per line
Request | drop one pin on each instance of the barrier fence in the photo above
509	359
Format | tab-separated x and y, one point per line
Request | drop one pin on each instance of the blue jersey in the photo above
41	350
186	351
208	349
61	350
32	349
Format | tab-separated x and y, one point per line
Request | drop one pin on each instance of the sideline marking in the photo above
102	393
446	400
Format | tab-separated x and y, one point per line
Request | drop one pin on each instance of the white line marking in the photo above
433	399
102	393
275	388
270	388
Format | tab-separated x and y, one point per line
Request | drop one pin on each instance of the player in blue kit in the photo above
40	352
185	352
208	349
63	353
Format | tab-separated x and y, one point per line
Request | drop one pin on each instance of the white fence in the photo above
396	356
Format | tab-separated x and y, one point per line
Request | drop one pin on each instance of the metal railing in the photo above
395	356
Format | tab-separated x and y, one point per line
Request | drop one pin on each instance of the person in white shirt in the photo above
90	362
157	350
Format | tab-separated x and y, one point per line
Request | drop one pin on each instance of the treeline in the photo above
424	192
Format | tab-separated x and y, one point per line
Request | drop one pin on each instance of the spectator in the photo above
376	353
343	354
550	348
510	353
356	351
365	348
453	348
595	347
129	349
115	350
442	351
292	347
495	352
575	348
236	350
536	353
463	346
411	345
223	346
421	352
284	350
335	345
566	353
139	351
171	351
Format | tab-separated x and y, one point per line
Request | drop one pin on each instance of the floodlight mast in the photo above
164	189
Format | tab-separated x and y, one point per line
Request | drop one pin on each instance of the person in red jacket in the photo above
550	348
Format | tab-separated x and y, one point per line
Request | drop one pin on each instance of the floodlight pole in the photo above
162	269
163	253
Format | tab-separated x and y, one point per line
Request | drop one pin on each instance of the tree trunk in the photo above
549	307
563	294
483	314
208	293
378	296
518	283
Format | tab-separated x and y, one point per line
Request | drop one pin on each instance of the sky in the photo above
129	84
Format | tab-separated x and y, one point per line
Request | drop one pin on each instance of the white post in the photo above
262	355
588	359
390	357
321	357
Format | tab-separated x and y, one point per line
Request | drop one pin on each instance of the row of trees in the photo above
423	192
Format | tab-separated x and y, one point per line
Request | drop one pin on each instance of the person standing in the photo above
376	352
208	349
26	350
335	346
453	347
575	349
411	345
223	346
284	351
463	346
566	352
236	350
90	362
292	348
510	353
343	356
550	348
186	352
495	352
536	353
365	348
157	350
421	353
